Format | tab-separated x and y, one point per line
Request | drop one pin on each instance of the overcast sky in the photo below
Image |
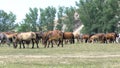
21	7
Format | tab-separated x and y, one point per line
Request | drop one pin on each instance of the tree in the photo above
23	27
7	21
47	17
60	16
98	15
30	21
69	21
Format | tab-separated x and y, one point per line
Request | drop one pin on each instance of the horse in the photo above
25	37
84	37
39	36
51	36
98	37
111	37
4	39
10	35
76	36
69	36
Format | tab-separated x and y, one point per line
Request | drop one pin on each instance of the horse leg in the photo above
61	42
86	40
37	42
92	40
51	44
20	44
8	42
73	39
58	43
23	44
48	44
45	45
32	43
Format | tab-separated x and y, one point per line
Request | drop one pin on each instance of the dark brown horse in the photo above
51	36
25	37
69	36
39	36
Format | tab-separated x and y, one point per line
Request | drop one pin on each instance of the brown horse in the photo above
10	35
25	37
99	37
85	38
111	37
51	36
69	36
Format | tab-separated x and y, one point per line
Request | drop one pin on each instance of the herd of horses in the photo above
55	37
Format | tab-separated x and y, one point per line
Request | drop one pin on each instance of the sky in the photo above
21	7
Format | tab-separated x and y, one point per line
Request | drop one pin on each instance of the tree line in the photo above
96	16
99	15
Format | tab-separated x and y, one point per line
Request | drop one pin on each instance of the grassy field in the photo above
70	56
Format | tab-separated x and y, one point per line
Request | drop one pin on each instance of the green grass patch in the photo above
14	58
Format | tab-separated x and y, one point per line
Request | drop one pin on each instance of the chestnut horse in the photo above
99	37
25	37
111	37
69	36
85	37
51	36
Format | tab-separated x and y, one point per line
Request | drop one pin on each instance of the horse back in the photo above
55	34
68	35
26	36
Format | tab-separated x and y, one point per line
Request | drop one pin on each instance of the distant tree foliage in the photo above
60	15
69	21
30	21
7	21
98	15
47	17
66	17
